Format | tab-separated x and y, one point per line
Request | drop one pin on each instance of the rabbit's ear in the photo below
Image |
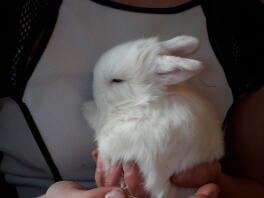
172	70
180	45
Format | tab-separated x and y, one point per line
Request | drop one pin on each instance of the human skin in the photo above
132	178
244	157
69	189
244	141
244	148
134	182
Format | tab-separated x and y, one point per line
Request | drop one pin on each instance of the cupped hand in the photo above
200	177
197	176
126	174
68	189
207	191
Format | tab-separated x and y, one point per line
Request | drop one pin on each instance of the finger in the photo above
64	186
99	173
113	175
116	193
210	190
71	189
105	192
95	154
134	181
197	176
64	189
108	174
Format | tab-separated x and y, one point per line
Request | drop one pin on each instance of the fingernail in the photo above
115	194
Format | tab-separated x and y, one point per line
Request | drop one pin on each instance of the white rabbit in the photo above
137	118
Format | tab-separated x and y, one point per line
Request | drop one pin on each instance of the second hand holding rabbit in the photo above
137	119
200	176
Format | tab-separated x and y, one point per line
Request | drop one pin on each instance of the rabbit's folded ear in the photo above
180	45
172	70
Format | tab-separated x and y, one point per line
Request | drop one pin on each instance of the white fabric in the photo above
61	82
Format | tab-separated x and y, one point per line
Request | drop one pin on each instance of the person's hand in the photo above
200	176
68	189
207	191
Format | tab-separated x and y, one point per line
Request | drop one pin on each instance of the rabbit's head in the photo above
137	72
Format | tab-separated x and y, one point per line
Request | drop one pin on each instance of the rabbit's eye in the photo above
116	80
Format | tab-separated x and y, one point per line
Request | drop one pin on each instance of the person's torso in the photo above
62	82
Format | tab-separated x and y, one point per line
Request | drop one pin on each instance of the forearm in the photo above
236	187
244	148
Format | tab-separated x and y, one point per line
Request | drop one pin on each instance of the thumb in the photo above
71	189
105	192
209	190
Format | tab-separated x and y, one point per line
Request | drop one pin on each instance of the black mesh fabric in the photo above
29	15
236	33
30	24
28	28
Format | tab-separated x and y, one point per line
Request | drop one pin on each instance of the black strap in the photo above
28	30
41	144
171	10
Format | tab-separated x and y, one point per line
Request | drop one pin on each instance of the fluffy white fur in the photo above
140	120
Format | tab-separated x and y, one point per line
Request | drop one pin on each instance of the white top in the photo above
62	82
